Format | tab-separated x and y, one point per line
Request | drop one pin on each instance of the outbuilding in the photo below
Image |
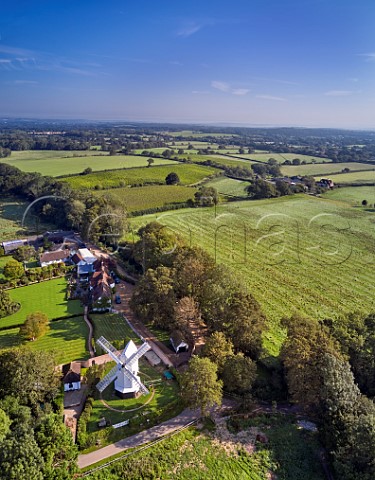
72	376
178	342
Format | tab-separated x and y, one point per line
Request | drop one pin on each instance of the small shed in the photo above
178	342
72	376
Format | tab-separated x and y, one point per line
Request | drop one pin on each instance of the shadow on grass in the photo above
10	340
68	329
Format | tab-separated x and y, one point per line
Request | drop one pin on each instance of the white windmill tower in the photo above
125	373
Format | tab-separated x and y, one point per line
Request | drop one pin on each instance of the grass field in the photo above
281	157
229	186
352	195
297	254
324	168
65	338
193	454
113	327
11	212
188	174
48	297
354	178
52	163
141	198
224	160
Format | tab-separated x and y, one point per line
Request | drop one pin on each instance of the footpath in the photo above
138	439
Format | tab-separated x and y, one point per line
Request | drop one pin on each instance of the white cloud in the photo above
189	29
338	93
5	60
177	63
271	97
226	87
200	92
369	57
240	91
222	86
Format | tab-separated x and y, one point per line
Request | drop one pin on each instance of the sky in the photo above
251	62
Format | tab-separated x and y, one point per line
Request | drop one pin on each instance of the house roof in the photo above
76	258
100	282
177	339
86	255
53	256
72	372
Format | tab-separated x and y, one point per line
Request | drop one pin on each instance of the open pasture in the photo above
188	174
142	198
53	163
324	168
281	157
65	338
48	297
229	186
352	195
195	134
297	254
364	177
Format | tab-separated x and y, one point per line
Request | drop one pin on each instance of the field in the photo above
281	157
11	212
141	198
352	195
57	163
188	174
324	168
48	297
354	178
297	254
193	454
229	186
112	327
66	338
224	160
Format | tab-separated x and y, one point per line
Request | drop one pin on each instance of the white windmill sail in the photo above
107	379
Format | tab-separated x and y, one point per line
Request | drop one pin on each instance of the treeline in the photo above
93	217
34	442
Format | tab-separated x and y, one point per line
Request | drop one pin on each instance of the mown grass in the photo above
57	163
354	178
324	168
48	297
229	186
352	195
113	327
142	198
188	174
66	339
281	157
297	254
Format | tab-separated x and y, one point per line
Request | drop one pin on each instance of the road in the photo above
139	439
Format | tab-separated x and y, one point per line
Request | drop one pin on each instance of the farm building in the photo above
58	256
72	376
178	342
12	245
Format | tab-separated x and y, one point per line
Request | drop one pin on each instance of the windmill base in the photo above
124	395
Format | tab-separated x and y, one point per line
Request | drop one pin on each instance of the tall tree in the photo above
35	326
13	270
200	387
239	374
218	348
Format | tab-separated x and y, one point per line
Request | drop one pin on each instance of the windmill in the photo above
125	372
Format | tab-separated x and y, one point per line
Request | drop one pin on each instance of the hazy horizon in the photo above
297	63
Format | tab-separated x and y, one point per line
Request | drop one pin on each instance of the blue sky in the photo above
254	62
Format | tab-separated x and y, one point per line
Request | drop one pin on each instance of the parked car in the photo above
117	299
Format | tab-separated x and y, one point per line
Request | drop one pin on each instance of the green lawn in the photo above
48	297
113	327
57	163
66	339
281	157
284	249
141	198
324	168
188	174
354	178
352	195
229	186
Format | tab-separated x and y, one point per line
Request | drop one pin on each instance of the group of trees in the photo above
7	305
68	209
320	359
34	442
